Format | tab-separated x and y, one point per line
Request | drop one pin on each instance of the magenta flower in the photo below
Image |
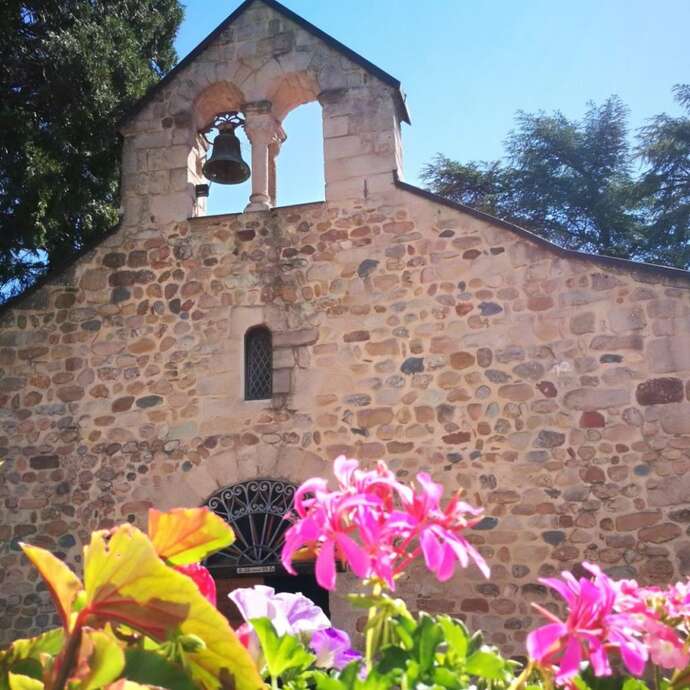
326	523
658	613
592	627
440	531
378	525
333	649
677	601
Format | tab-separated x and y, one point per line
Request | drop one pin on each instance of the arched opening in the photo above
258	364
231	198
258	512
300	165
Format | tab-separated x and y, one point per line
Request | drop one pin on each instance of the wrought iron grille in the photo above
258	364
256	512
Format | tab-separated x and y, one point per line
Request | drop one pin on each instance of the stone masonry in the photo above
554	388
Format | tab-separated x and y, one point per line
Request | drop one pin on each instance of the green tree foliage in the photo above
582	184
665	185
70	70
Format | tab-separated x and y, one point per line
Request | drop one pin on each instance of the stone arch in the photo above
236	458
290	90
221	96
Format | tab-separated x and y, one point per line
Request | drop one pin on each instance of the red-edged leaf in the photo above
187	535
63	584
126	582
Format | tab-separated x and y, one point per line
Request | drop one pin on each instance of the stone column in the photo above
273	151
264	132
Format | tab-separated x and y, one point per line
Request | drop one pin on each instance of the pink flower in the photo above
202	578
378	525
440	531
665	646
591	628
325	523
677	601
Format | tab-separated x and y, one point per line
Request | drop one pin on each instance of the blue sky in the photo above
468	65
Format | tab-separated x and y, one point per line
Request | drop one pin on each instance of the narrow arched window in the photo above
258	364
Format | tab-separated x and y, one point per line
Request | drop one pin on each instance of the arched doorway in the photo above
256	510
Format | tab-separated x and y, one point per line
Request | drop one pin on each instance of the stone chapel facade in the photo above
552	386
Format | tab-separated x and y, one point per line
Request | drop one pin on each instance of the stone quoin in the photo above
552	386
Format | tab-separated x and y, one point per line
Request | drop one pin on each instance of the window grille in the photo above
258	512
258	364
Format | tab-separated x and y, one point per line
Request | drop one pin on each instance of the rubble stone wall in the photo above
555	391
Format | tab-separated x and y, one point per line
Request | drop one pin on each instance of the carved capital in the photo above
263	129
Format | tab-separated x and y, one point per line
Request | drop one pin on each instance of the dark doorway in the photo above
258	511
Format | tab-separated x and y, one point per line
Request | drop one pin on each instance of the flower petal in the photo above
543	642
325	565
355	555
569	663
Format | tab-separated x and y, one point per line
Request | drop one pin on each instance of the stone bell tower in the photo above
262	61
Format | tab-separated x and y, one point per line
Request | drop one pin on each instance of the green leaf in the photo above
19	682
22	656
446	678
28	667
429	636
404	629
105	662
476	642
150	668
392	659
601	682
456	637
580	683
485	664
634	684
282	653
349	675
324	682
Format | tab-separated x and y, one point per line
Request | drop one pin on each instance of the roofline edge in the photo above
627	264
384	76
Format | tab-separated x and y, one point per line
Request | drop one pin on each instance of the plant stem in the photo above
68	658
522	678
372	631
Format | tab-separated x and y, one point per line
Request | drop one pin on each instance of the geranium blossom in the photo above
677	601
440	531
659	613
379	525
203	579
591	629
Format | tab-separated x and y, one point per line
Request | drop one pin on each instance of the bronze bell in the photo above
225	166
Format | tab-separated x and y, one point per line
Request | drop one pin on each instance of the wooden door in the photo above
226	585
